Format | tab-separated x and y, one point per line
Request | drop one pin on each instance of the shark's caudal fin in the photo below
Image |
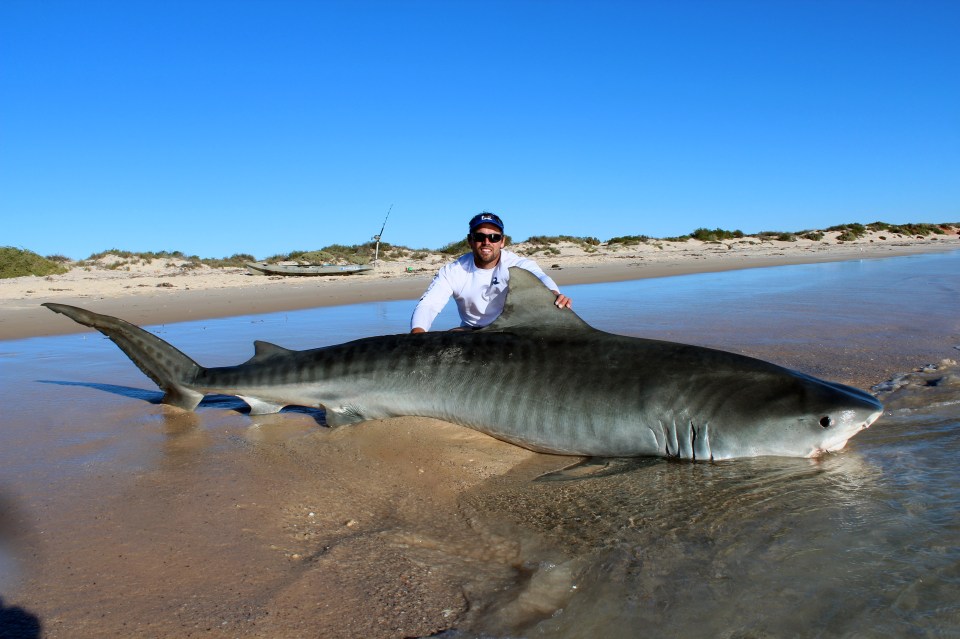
530	304
169	368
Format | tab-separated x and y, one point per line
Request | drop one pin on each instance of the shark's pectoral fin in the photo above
261	407
595	467
344	415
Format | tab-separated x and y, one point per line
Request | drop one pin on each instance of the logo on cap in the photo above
486	218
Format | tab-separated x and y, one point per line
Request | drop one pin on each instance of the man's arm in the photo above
431	303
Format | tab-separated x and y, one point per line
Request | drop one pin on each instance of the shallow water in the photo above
120	517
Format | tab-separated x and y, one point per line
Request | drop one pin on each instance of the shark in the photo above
539	377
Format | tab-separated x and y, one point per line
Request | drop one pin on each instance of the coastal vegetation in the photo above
628	240
237	260
547	244
352	254
124	258
458	247
18	262
850	232
706	235
778	236
329	254
910	229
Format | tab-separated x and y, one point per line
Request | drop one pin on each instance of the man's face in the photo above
486	254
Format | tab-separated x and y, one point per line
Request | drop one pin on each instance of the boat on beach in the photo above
262	268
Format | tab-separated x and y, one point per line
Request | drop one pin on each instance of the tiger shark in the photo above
538	377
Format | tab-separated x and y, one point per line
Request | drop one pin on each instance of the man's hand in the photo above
417	330
562	300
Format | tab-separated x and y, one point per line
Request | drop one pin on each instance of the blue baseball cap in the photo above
486	218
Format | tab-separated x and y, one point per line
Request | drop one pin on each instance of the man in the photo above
478	280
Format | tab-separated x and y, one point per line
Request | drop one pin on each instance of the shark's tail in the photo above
172	371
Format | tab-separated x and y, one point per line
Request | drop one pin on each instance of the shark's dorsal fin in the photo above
530	304
265	350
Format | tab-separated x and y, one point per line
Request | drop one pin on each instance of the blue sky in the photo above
263	127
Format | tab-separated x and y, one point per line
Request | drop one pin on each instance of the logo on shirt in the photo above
494	280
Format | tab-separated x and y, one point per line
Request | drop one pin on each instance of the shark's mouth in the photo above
839	443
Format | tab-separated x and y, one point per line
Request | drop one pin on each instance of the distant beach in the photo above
166	290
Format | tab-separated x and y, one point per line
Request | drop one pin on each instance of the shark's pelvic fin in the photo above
260	406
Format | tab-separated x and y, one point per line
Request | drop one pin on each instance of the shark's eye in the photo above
825	421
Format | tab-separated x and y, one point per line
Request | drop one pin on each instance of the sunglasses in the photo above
480	237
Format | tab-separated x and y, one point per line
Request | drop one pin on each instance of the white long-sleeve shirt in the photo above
480	293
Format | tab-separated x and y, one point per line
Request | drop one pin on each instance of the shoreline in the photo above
153	294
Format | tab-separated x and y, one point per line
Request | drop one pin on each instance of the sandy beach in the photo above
165	290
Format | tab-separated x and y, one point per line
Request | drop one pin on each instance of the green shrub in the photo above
916	229
334	254
15	262
908	229
456	248
542	239
144	256
545	240
849	231
323	256
102	254
236	260
847	236
706	235
628	240
768	235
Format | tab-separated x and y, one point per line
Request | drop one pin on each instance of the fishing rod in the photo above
376	257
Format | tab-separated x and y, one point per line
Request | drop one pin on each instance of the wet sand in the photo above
138	520
134	519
